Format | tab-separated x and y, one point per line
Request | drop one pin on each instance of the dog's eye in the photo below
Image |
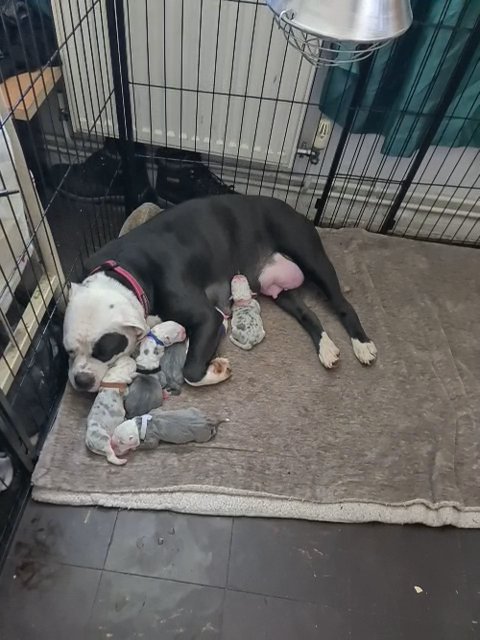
109	345
131	438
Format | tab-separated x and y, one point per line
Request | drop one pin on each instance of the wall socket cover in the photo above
324	131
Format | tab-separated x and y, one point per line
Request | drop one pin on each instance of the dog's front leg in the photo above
200	369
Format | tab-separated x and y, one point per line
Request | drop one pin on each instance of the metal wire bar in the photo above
118	59
437	117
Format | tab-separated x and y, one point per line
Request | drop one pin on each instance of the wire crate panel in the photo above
210	76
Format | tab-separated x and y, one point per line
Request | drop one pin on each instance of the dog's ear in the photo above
74	288
138	324
130	318
140	330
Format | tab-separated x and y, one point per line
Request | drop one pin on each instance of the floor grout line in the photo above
111	539
211	586
90	613
225	589
102	570
227	578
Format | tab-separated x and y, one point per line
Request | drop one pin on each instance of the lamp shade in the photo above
360	21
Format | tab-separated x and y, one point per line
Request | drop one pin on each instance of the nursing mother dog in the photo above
175	264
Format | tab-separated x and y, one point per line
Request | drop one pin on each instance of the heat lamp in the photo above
336	32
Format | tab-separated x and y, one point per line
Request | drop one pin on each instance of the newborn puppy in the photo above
176	427
247	325
153	345
171	364
108	411
146	392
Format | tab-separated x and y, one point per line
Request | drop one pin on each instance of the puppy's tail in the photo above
215	423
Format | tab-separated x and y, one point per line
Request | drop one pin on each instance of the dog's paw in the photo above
328	352
365	352
219	368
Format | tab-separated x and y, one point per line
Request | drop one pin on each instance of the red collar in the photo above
127	280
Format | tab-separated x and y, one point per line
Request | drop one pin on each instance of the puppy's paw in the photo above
328	352
113	459
118	461
366	352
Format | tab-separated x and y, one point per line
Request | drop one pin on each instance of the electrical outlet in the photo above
324	131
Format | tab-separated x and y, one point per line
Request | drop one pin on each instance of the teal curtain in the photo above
407	79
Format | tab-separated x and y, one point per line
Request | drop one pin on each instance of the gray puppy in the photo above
171	364
175	427
146	392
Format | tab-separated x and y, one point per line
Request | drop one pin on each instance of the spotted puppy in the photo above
175	427
153	345
146	391
246	325
108	411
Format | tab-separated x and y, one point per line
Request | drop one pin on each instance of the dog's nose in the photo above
84	381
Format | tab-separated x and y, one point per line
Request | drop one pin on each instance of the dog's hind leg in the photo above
363	348
292	303
303	245
200	369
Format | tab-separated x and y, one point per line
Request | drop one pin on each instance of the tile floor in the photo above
79	573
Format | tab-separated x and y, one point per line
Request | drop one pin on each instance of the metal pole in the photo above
121	90
437	117
364	73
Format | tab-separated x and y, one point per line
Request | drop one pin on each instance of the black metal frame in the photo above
363	77
121	89
450	89
79	229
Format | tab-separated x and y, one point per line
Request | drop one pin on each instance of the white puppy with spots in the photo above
152	347
108	409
